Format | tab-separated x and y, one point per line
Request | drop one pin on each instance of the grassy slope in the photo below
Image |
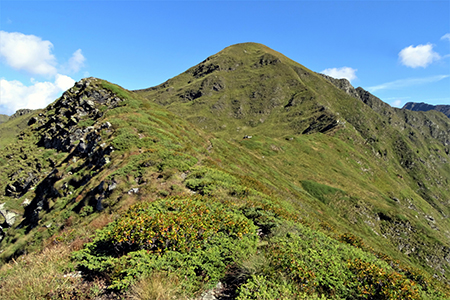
3	118
272	179
12	127
374	155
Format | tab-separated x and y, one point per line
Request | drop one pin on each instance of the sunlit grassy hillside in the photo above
156	193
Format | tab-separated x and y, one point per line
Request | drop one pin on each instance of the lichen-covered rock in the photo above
8	215
19	185
342	84
21	112
84	101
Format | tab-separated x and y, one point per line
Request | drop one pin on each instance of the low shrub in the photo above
197	237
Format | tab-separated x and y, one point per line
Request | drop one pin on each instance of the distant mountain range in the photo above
416	106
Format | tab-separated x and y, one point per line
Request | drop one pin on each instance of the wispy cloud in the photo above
344	72
76	62
397	84
419	56
446	37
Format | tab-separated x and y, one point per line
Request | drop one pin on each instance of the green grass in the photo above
318	207
12	127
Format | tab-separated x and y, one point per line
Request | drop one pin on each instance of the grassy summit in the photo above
335	195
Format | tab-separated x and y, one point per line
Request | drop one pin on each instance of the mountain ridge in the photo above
416	106
379	126
247	165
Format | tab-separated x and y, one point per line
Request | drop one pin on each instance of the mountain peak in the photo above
230	58
249	48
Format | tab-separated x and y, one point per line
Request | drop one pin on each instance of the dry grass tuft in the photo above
159	286
41	276
101	221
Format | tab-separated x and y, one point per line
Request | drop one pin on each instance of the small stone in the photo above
106	125
105	160
133	191
112	186
73	275
10	217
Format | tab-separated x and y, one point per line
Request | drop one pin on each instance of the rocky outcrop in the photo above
21	183
324	123
267	59
21	112
18	113
62	128
45	191
342	84
69	125
445	109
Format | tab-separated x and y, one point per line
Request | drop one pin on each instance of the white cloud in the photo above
15	95
32	54
405	83
344	72
396	103
63	82
419	56
27	52
76	62
446	37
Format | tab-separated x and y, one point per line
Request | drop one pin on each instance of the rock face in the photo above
18	113
83	101
68	125
21	112
445	109
9	216
342	84
21	183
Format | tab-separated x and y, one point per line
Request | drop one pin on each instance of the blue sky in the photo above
398	50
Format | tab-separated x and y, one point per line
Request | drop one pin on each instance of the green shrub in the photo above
260	287
317	264
381	283
195	236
